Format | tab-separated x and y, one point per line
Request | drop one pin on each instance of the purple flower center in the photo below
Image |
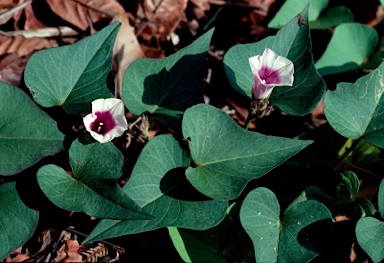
269	76
104	122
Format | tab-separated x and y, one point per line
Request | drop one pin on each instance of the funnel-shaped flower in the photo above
107	120
270	70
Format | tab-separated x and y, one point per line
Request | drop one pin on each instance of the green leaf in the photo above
27	134
348	187
342	200
72	76
293	42
297	237
332	17
292	7
167	87
362	154
93	188
327	143
350	45
381	198
17	221
354	110
370	236
204	246
159	186
227	157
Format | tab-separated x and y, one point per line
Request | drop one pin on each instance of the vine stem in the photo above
347	152
248	121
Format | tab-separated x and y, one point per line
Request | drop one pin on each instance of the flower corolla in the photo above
270	70
107	119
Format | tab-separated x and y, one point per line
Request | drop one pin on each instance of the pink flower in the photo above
107	120
270	70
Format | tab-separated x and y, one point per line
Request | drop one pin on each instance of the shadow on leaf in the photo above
315	236
175	185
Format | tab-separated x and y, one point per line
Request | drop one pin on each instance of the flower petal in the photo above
270	70
88	120
107	119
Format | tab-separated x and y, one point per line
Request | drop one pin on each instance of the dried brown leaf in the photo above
7	4
12	10
18	258
31	21
199	7
112	8
126	50
23	46
12	68
68	252
163	16
75	13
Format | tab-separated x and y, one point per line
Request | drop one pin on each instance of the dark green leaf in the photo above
370	236
93	188
362	154
351	44
72	76
204	246
348	187
167	87
293	42
332	17
159	186
17	221
227	157
298	237
381	198
292	7
27	134
354	110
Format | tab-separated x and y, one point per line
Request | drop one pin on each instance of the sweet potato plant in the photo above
206	178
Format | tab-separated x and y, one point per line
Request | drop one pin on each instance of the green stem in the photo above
347	152
248	121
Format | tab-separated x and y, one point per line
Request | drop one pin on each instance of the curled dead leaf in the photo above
161	17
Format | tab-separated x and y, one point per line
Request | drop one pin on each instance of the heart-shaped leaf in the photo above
211	245
227	156
370	236
167	87
17	221
204	246
300	230
350	45
292	7
332	17
72	76
381	199
27	134
354	110
159	186
293	42
93	188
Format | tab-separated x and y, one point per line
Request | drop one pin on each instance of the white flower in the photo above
107	120
270	70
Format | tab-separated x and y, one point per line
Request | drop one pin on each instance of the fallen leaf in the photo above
31	21
199	7
12	68
23	46
126	50
68	252
161	17
75	13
